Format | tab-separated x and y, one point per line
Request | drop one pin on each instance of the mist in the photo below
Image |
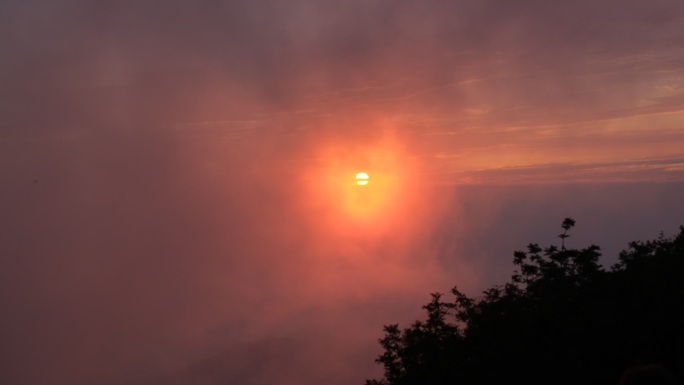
177	195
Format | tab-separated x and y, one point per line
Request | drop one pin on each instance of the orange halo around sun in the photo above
341	183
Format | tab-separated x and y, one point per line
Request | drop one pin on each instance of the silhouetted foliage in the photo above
562	319
568	223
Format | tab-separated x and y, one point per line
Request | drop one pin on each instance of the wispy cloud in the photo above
158	162
657	170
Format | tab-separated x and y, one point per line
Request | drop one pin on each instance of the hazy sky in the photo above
178	203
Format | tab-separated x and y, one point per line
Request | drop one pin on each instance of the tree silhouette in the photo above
562	319
568	223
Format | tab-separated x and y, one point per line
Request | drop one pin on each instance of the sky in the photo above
178	203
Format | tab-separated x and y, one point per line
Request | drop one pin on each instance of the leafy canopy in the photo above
561	319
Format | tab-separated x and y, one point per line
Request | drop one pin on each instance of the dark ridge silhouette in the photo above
562	319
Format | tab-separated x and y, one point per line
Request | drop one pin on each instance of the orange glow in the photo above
373	201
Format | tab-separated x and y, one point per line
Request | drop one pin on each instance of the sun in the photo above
362	179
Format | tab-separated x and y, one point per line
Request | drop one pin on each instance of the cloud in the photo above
170	171
635	170
134	251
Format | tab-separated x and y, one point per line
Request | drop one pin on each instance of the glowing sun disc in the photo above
362	179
